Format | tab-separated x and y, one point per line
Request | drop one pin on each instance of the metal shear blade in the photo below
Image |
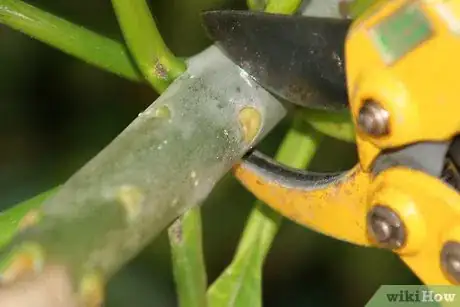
298	58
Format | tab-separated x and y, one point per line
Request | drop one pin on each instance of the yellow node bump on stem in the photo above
250	121
132	199
91	290
32	218
163	112
27	258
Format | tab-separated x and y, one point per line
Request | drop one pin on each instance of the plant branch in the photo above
72	39
164	163
283	6
13	219
358	7
185	237
274	6
338	125
157	64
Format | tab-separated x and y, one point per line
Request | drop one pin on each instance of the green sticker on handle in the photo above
401	32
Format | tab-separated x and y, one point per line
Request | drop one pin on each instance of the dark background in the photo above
57	113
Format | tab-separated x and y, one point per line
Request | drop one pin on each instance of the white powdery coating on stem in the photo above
172	155
321	8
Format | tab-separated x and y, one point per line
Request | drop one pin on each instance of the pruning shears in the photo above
395	70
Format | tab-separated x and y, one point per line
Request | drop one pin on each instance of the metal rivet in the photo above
385	227
450	260
373	119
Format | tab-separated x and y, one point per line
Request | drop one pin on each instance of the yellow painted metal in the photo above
419	89
338	210
430	211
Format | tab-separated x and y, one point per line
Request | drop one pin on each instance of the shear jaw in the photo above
400	204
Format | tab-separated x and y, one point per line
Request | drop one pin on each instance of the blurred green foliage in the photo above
57	113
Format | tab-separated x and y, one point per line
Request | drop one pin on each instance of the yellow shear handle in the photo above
430	212
427	207
336	209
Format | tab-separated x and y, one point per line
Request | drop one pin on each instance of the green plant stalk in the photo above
72	39
256	5
167	161
274	6
185	238
338	125
157	64
240	283
282	6
359	7
10	219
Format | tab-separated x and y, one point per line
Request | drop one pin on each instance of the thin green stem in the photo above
240	283
185	238
359	7
10	220
337	125
256	5
274	6
157	64
283	6
297	150
72	39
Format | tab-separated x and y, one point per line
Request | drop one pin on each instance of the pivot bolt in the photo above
385	227
450	260
373	119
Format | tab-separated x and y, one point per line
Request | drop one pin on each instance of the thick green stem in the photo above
72	39
157	64
164	163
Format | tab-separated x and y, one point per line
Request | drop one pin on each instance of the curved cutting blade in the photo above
299	58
